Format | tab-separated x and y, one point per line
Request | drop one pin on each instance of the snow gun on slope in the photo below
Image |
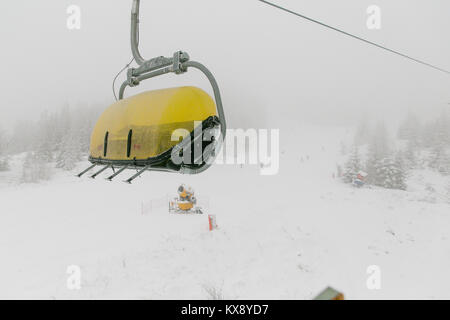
185	203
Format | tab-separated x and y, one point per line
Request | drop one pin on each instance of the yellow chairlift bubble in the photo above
173	130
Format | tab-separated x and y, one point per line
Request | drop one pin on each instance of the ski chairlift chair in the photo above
143	132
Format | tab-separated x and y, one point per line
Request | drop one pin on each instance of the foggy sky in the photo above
274	69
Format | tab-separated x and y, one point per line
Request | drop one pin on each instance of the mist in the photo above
274	69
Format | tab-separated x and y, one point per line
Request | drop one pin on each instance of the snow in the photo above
286	236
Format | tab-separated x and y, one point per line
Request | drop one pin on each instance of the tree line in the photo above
56	139
388	161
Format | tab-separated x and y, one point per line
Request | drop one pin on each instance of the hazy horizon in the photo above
273	68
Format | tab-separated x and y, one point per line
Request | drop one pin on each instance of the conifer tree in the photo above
440	159
378	150
69	153
4	160
391	173
410	156
352	166
34	168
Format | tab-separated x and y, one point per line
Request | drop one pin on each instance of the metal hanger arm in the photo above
135	32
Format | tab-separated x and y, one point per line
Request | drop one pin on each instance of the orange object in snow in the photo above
212	222
185	203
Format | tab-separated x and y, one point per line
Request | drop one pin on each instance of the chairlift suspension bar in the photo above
135	32
216	90
178	64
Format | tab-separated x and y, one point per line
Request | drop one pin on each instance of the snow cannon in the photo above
171	130
185	202
185	193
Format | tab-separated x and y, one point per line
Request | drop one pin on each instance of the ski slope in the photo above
286	236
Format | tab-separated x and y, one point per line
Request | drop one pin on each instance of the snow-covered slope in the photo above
286	236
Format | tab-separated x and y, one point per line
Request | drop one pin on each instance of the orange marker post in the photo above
212	222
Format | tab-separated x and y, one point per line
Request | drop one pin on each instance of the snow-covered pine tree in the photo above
46	136
34	168
83	136
339	170
439	154
440	159
391	173
410	130
69	153
372	164
383	172
410	156
4	160
4	163
401	172
44	151
427	136
352	166
61	136
74	130
378	150
362	134
443	130
447	195
86	125
28	174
